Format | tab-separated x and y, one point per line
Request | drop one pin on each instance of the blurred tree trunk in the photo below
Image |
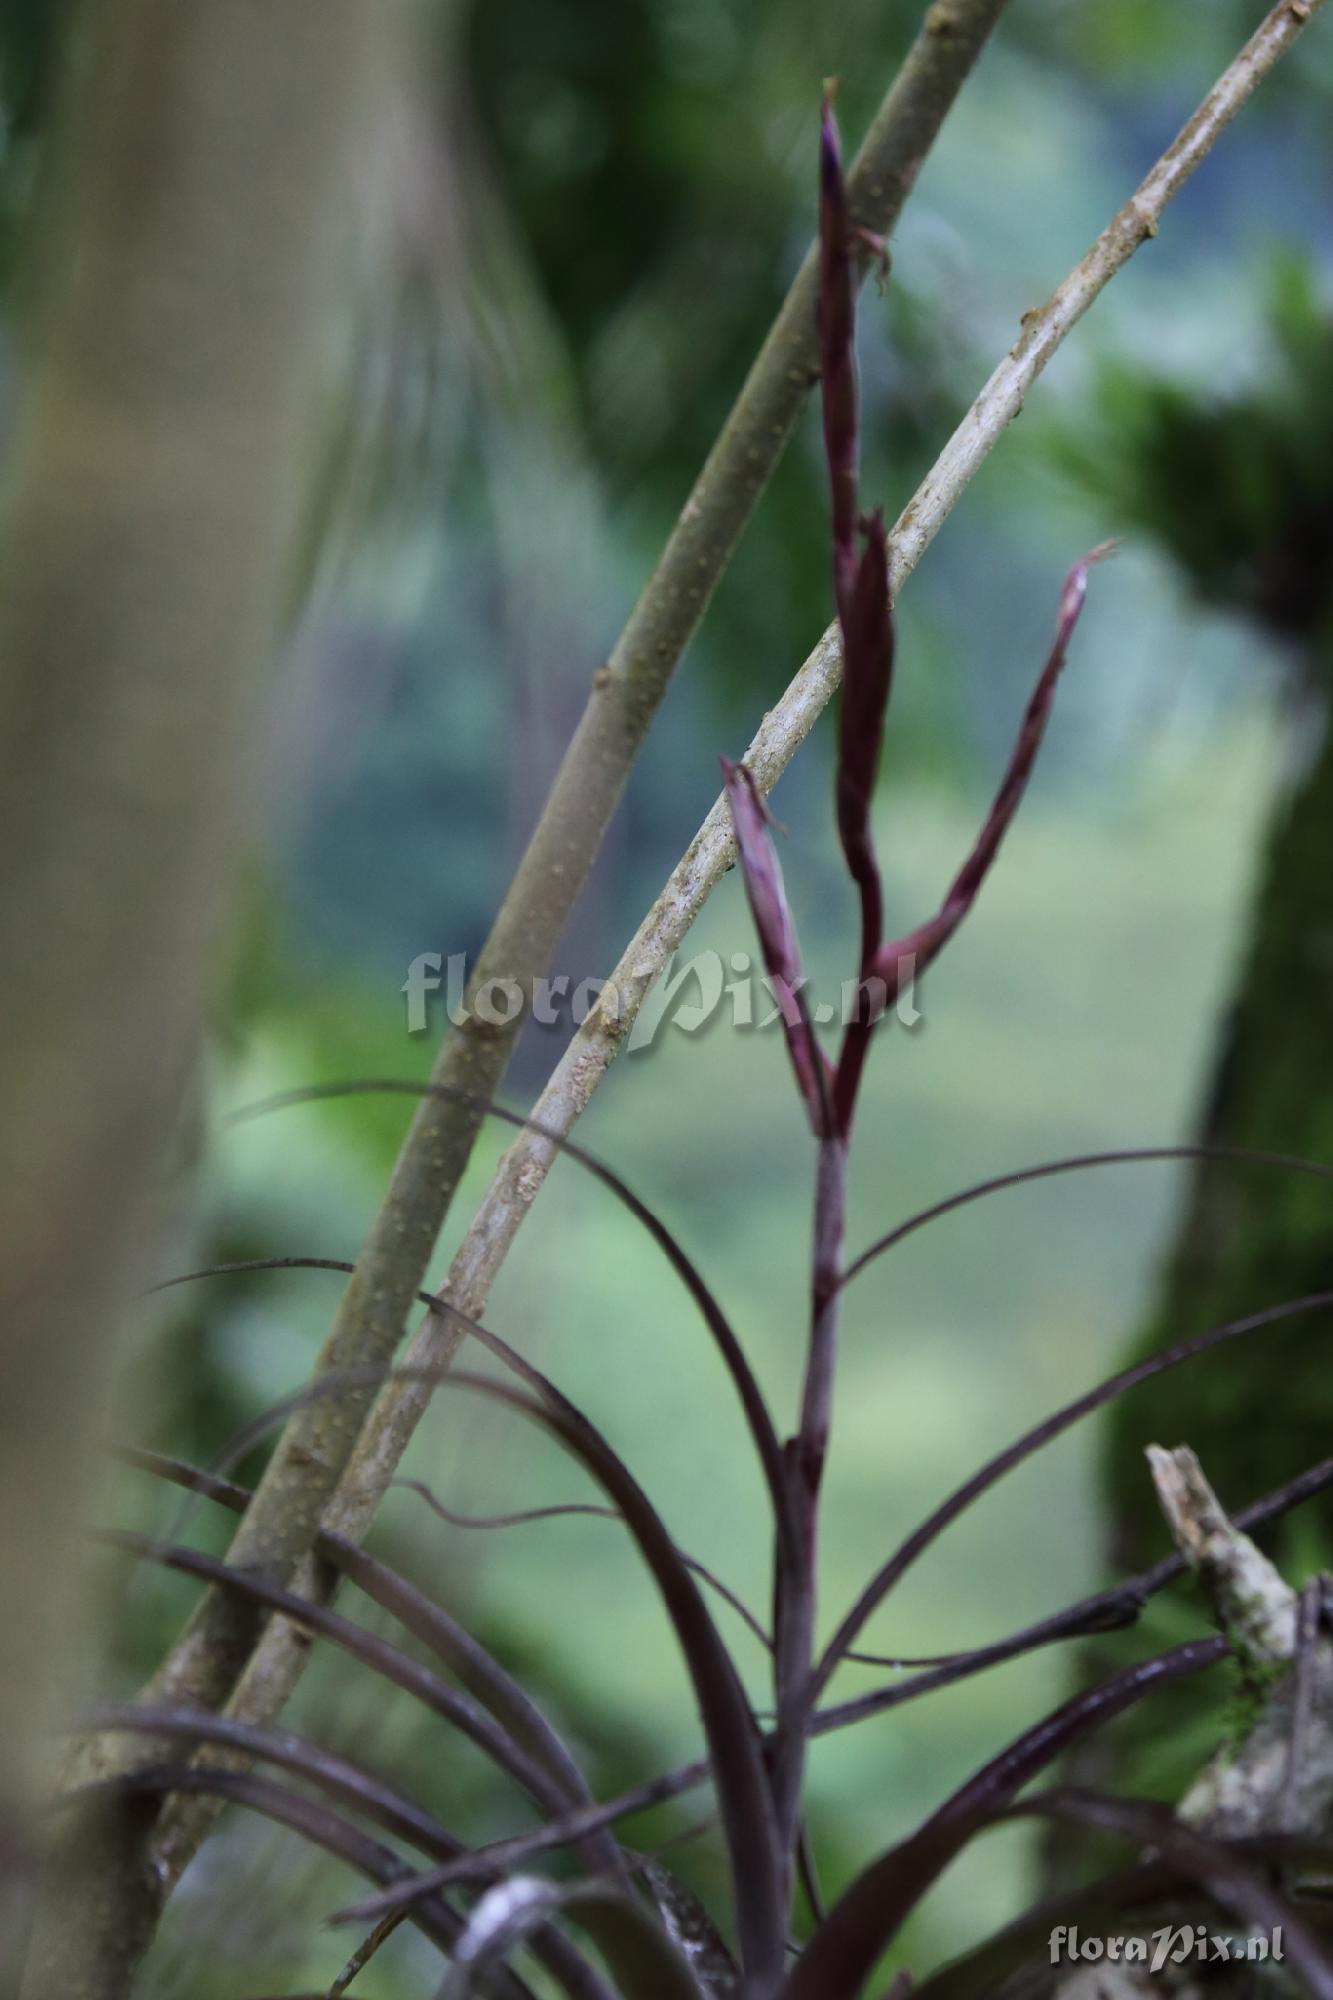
1238	490
1251	1237
183	265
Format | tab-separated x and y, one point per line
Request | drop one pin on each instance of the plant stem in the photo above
795	1596
826	1290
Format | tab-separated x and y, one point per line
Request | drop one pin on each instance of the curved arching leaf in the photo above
1074	1163
751	1397
871	1912
337	1776
460	1710
744	1798
921	1537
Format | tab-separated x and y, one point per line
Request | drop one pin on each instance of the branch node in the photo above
1255	1608
1275	1772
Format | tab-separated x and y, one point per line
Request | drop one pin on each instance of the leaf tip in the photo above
830	140
1076	583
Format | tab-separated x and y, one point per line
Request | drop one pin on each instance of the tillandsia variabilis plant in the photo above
637	1932
830	1090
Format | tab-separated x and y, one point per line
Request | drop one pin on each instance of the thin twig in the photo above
364	1952
1254	1604
1278	1777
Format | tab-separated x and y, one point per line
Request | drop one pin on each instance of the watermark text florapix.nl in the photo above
688	995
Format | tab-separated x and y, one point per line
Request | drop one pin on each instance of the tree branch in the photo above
1275	1776
1279	1777
1254	1607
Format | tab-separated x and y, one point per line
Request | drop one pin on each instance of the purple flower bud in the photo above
762	873
866	680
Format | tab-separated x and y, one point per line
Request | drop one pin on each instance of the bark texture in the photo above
1247	1240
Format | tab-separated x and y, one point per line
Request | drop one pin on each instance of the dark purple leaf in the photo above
501	1693
1217	1867
869	1915
1109	1610
327	1829
890	1572
500	1855
1121	1905
497	1690
1130	1903
316	1823
458	1709
229	1494
586	1509
1097	1613
733	1739
743	1378
734	1744
1077	1163
345	1782
744	1801
733	1747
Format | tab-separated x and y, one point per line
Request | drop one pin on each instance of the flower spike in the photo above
868	640
860	581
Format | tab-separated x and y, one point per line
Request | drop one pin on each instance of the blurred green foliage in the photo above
1234	482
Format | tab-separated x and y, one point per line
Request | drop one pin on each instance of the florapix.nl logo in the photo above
689	995
1170	1944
